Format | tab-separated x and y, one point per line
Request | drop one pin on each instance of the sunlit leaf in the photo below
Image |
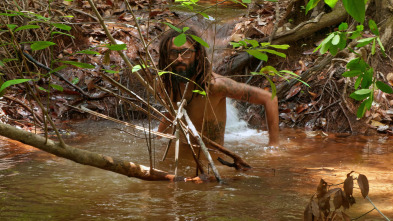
173	27
200	40
12	82
284	47
185	29
384	87
180	40
331	3
38	45
200	92
336	39
343	26
117	47
137	68
359	97
252	42
43	89
311	4
364	41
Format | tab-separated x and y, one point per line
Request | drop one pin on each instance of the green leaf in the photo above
373	47
62	26
56	87
384	87
185	29
38	45
88	52
373	27
343	41
343	26
78	64
246	1
311	4
257	54
325	47
253	43
160	73
333	49
358	81
137	68
331	3
359	97
12	82
362	91
364	41
381	46
110	71
284	47
274	52
273	86
180	40
352	73
173	27
200	41
27	27
200	92
117	47
75	80
11	26
336	39
268	70
235	44
295	76
361	110
356	9
43	89
8	14
204	15
323	44
61	33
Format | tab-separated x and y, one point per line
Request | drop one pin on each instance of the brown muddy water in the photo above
35	185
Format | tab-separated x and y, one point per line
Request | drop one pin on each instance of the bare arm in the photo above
229	88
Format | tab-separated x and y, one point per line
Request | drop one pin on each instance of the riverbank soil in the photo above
324	105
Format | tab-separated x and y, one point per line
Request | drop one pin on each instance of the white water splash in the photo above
236	130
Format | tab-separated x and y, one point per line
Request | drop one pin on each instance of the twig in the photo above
377	208
203	147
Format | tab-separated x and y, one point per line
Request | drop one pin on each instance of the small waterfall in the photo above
236	129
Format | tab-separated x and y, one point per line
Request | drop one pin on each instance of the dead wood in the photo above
86	157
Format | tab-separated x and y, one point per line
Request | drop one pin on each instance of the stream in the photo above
35	185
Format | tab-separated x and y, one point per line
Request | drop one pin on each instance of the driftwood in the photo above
86	157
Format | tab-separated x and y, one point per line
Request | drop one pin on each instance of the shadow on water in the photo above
37	186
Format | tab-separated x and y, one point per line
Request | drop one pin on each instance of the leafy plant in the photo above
357	67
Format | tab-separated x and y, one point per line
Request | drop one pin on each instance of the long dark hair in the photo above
203	66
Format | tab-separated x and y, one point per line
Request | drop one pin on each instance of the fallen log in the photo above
85	157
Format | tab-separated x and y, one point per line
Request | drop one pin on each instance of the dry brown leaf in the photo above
363	185
321	189
308	216
348	186
294	90
338	199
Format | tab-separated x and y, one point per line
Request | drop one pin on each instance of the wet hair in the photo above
202	64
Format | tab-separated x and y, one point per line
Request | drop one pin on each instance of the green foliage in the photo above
181	39
12	82
39	45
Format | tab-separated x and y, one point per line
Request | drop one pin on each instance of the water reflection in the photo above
37	186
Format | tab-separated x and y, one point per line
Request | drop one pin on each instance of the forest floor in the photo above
323	106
